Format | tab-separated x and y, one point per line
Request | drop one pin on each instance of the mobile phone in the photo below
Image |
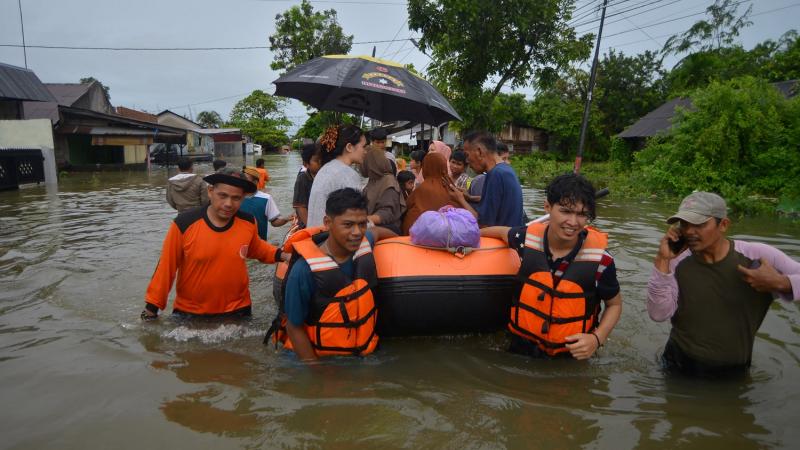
755	264
677	246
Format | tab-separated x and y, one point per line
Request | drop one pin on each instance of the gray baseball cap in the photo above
698	207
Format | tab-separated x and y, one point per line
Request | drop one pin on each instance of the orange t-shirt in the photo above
263	177
209	262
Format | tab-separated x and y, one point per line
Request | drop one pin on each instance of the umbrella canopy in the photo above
377	88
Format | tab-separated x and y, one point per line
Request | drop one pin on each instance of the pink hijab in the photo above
443	149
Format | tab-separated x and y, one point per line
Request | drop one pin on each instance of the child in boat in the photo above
407	181
458	165
566	263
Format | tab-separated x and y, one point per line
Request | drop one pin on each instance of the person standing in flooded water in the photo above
186	190
566	273
329	306
341	147
206	247
715	290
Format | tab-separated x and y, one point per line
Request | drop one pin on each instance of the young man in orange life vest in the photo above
566	273
328	303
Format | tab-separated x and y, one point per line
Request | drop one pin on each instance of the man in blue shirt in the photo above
501	200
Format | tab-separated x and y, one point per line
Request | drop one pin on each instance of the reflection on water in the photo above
80	370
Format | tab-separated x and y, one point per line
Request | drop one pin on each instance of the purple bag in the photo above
447	227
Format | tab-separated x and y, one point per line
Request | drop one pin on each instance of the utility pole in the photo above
22	27
588	105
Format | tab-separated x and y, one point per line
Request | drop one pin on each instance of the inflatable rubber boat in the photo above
428	291
425	291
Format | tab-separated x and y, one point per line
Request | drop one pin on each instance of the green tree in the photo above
318	121
106	89
628	87
720	30
209	119
301	34
479	47
741	140
559	110
261	116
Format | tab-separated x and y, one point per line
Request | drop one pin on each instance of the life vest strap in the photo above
554	292
346	322
354	350
555	320
537	339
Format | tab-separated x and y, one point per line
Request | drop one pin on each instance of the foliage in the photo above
501	43
260	116
770	60
301	34
559	110
106	89
720	30
209	119
318	121
743	141
628	87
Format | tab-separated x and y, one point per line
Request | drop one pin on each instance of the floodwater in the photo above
80	370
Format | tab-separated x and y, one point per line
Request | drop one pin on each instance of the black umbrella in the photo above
376	88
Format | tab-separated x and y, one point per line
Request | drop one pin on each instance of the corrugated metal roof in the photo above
17	83
65	94
660	119
787	88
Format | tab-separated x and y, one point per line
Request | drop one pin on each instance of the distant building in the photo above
89	134
660	119
523	139
26	146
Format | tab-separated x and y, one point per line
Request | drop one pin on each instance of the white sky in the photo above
216	80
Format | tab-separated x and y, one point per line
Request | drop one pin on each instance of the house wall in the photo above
95	99
10	110
227	148
135	154
36	133
174	120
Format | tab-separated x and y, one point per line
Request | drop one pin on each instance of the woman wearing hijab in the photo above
385	203
431	194
442	148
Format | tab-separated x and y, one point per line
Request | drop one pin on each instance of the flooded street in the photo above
80	370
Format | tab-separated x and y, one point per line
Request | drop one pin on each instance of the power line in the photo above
696	14
167	49
395	37
632	8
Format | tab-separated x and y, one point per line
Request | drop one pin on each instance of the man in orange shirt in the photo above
207	247
263	175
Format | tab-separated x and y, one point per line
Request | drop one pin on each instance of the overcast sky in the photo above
216	80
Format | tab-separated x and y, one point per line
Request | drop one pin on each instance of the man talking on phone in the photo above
715	290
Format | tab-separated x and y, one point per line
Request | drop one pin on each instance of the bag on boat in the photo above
447	227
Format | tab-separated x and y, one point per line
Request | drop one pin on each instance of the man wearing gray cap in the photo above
715	290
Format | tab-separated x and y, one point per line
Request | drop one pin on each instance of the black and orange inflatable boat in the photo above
428	291
424	291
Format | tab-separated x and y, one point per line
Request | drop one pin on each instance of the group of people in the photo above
715	291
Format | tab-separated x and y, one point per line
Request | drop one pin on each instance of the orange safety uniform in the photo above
547	312
342	313
209	262
263	177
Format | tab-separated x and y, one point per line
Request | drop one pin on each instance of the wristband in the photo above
598	339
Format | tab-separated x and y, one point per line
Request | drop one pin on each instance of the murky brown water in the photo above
79	370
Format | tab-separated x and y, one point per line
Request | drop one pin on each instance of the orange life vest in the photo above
342	313
545	312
